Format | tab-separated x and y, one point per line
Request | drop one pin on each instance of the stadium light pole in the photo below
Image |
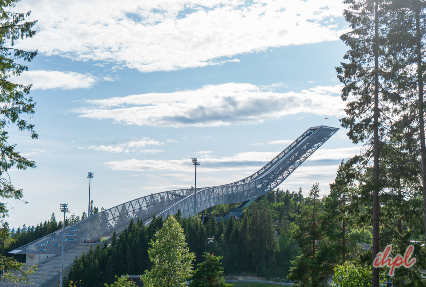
210	240
89	176
195	163
64	209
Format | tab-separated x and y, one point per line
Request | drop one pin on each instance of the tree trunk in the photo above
399	219
343	241
313	231
375	248
421	115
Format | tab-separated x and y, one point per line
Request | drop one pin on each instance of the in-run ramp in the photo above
189	203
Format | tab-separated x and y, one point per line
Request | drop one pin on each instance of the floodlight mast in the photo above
89	209
64	209
195	163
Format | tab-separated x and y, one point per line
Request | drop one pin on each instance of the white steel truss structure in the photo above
167	203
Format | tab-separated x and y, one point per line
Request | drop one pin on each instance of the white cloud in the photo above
212	105
214	63
335	154
305	176
114	149
147	165
281	142
109	79
33	152
129	146
240	161
234	60
164	35
272	87
204	152
325	89
143	142
151	151
315	172
54	80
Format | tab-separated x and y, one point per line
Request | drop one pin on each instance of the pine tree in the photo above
244	256
287	251
229	228
220	231
255	239
418	7
261	238
299	195
337	208
200	239
214	273
408	50
308	267
211	224
362	77
110	270
129	260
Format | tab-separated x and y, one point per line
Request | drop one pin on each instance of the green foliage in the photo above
361	235
288	251
261	237
122	281
15	100
248	284
349	275
214	273
410	276
223	208
170	257
320	237
309	267
13	270
113	260
127	253
383	77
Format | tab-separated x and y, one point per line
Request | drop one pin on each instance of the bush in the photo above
349	275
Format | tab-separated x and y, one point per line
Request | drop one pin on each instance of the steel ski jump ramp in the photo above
189	203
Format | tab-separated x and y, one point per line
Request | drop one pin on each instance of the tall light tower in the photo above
89	176
64	209
195	163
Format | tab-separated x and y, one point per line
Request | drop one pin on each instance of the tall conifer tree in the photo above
408	38
362	76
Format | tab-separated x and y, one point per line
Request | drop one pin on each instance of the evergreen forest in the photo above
261	243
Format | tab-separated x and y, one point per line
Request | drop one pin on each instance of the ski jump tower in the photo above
167	203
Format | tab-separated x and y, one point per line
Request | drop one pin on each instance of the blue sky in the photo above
131	90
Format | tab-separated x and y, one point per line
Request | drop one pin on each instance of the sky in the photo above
132	90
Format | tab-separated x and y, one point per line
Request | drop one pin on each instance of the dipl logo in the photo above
382	259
